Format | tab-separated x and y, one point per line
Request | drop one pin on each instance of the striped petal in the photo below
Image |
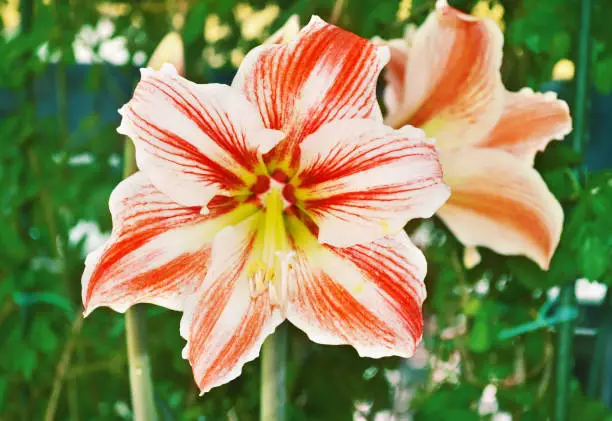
498	201
194	141
324	74
360	180
453	87
395	71
224	324
529	122
158	250
368	296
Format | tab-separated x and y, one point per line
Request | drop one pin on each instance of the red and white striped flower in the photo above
445	78
280	197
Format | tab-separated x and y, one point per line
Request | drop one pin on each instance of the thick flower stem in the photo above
273	395
140	368
141	383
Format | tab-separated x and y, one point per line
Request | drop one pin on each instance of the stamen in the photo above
271	271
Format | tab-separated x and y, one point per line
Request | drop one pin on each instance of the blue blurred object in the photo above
598	150
98	89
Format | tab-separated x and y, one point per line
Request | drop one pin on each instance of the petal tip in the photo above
169	69
315	20
384	55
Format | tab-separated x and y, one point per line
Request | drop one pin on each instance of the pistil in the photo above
270	272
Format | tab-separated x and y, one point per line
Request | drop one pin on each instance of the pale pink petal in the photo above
224	324
453	87
158	250
529	122
360	180
395	74
395	70
498	201
194	141
324	74
368	296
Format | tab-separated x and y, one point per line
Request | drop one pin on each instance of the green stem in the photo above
273	395
141	382
601	343
566	330
565	337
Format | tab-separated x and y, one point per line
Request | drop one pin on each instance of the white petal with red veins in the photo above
324	74
158	251
224	324
359	180
368	296
194	141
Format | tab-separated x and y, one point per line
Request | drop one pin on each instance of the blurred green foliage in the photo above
56	173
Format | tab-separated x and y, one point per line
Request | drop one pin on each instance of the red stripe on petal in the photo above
367	296
400	279
325	74
223	322
205	169
194	141
215	123
156	253
359	180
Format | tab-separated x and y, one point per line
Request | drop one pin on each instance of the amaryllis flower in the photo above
280	197
445	79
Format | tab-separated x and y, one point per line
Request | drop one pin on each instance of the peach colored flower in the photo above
280	197
445	79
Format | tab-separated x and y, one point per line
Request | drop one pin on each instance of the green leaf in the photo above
594	257
480	336
603	75
194	26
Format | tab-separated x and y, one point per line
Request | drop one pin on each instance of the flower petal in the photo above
223	323
498	201
285	33
395	71
324	74
530	120
158	250
453	86
194	141
368	296
360	180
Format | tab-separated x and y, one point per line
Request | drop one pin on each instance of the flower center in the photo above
270	268
264	184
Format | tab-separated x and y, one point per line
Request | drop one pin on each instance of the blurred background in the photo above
491	349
